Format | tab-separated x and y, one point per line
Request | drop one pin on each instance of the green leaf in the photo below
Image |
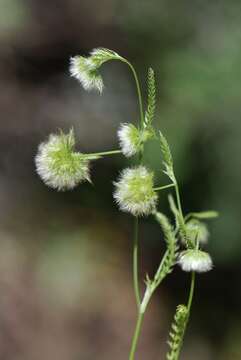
211	214
167	157
177	332
180	223
166	228
172	205
169	259
151	104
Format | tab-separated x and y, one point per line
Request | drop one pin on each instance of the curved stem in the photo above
135	263
136	335
138	88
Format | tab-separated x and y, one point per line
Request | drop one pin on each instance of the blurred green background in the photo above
65	258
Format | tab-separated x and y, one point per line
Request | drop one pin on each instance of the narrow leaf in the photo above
151	103
204	214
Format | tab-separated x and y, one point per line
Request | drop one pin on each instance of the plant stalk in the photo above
135	263
104	153
136	335
164	187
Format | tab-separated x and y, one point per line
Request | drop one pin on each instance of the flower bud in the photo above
195	260
58	165
134	191
197	231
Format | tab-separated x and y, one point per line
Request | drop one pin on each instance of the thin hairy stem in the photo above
135	263
105	153
164	187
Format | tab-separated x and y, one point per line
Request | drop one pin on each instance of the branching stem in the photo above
164	187
105	153
136	335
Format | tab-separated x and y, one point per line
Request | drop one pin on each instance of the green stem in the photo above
136	336
136	223
178	199
135	263
191	292
164	187
138	88
104	153
157	275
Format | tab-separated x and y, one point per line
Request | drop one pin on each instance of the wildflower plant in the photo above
61	167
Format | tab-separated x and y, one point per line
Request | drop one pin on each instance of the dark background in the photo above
65	258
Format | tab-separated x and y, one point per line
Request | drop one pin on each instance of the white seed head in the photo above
197	231
195	260
58	165
129	138
132	139
134	191
85	70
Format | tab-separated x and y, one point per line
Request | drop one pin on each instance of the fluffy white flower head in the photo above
129	138
85	70
195	260
197	231
58	165
134	191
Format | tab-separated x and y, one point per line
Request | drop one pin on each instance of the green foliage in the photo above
151	102
171	253
180	223
167	158
177	332
203	215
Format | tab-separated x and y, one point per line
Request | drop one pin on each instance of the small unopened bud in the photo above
195	260
197	231
58	165
134	191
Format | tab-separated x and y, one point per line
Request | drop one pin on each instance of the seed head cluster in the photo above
134	192
58	165
195	260
86	71
132	139
129	138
